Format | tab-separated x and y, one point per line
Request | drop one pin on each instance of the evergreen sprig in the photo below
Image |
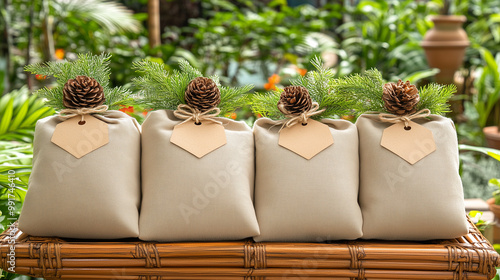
165	90
367	89
94	66
318	84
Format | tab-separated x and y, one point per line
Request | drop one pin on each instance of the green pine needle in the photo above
160	89
318	83
94	66
367	89
435	97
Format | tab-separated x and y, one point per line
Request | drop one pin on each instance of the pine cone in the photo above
294	100
202	94
82	92
400	98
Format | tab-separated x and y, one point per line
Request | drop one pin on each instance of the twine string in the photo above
390	118
187	113
292	119
66	114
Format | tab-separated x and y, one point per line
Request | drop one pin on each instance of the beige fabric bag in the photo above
96	196
186	198
299	200
410	202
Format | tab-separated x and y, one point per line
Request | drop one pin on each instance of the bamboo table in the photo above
468	257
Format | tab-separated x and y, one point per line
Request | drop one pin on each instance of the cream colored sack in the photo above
300	200
186	198
410	202
96	196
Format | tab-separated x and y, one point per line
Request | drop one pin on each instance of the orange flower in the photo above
259	116
59	54
233	115
40	77
348	117
269	86
129	109
301	71
274	79
146	111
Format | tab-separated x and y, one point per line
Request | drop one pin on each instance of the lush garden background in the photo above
265	43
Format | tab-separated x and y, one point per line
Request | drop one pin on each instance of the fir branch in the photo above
318	84
265	104
435	97
94	66
367	89
162	90
364	89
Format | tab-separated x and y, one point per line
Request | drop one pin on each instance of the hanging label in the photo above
306	140
199	140
411	143
79	137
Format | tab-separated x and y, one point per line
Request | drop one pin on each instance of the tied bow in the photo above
390	118
292	119
187	113
66	114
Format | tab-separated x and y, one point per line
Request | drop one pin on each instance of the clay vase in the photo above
492	135
493	207
445	46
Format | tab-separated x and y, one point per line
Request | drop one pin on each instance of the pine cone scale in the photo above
400	98
294	100
202	94
82	92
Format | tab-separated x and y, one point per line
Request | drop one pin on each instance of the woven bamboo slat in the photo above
467	257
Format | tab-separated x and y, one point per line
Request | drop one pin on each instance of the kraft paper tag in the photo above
199	140
411	144
306	140
80	138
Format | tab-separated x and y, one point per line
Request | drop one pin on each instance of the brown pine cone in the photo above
400	98
294	100
202	94
82	92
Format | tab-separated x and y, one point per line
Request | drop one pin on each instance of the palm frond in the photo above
110	15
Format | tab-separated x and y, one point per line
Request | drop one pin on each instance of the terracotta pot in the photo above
493	207
445	46
492	135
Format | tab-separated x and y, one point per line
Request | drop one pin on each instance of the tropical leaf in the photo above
19	113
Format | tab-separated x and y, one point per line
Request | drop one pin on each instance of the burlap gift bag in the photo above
95	196
410	187
190	198
85	181
300	200
198	169
306	184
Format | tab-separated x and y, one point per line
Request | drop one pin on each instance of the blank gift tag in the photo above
412	143
80	138
306	140
199	140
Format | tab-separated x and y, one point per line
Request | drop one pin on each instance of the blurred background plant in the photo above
265	43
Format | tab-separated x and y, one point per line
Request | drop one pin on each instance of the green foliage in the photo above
256	38
435	97
318	84
164	90
488	87
19	113
94	66
385	34
367	89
